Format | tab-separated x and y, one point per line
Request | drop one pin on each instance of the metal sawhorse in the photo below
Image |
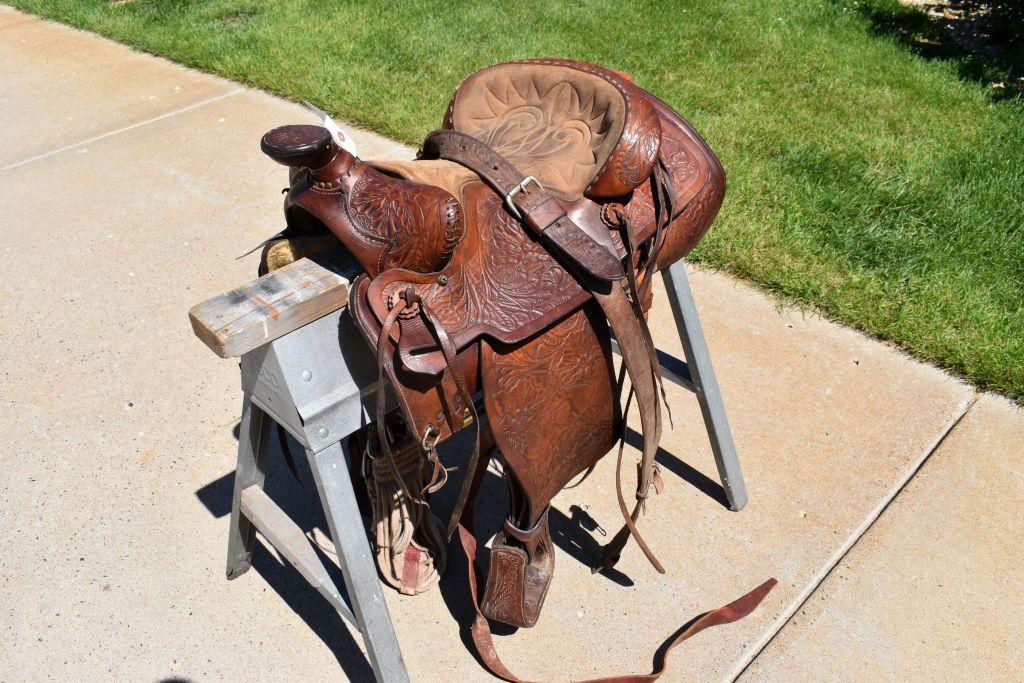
305	367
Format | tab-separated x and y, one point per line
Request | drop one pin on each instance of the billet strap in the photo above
528	201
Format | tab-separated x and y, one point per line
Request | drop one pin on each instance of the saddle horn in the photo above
307	146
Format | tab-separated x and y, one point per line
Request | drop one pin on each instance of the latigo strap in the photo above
527	200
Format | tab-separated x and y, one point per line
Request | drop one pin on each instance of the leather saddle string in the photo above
449	352
637	359
665	199
611	552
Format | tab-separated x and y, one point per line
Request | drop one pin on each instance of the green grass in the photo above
863	180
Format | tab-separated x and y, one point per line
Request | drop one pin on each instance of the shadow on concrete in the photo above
301	504
578	534
698	480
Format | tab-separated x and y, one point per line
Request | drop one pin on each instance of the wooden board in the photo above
284	300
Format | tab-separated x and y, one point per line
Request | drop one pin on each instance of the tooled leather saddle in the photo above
497	265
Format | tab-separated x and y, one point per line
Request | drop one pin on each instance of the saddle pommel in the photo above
303	146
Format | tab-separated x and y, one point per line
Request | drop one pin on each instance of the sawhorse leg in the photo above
330	468
705	385
253	437
252	509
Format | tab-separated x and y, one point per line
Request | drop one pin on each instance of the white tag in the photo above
340	137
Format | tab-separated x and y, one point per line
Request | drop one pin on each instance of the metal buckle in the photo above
521	187
425	443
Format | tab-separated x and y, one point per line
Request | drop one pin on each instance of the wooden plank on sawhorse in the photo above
277	303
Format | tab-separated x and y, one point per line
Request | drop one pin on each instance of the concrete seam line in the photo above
125	129
837	557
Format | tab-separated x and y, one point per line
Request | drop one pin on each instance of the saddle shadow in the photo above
300	502
673	464
572	533
566	533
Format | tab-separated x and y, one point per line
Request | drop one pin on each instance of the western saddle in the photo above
496	267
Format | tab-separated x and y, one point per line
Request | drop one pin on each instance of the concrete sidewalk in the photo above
128	185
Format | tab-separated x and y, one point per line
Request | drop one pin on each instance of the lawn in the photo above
883	189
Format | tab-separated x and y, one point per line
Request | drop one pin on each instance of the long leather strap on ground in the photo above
484	640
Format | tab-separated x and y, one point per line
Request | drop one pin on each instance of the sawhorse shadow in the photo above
577	534
302	504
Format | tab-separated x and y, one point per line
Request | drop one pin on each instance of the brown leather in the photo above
521	569
382	221
555	99
538	210
468	292
484	641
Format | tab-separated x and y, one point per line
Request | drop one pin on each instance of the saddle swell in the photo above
495	264
383	221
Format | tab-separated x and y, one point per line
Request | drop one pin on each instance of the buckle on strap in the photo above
521	187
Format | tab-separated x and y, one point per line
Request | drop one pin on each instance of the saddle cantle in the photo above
496	265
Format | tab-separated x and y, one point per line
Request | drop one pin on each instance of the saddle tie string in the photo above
639	286
419	508
664	204
647	470
410	297
609	554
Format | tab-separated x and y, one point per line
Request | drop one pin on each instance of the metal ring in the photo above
426	435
